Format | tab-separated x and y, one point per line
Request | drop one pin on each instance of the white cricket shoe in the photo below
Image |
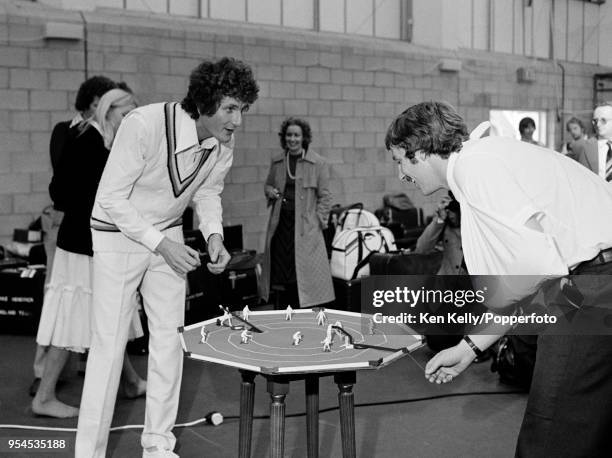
154	452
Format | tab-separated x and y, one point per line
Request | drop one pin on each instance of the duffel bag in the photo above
356	217
352	249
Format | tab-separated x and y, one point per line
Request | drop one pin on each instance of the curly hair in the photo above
93	87
211	81
302	124
431	127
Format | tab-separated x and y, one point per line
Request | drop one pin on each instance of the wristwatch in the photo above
479	353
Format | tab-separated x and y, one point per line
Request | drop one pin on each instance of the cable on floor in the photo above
215	418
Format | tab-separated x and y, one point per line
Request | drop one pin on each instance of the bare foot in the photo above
54	408
134	390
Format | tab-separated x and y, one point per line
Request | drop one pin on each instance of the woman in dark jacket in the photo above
65	318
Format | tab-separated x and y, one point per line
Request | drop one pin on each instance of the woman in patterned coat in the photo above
297	189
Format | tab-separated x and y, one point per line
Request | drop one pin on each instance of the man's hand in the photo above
180	258
441	210
219	256
449	363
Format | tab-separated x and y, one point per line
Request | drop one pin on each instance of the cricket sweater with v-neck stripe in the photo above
155	168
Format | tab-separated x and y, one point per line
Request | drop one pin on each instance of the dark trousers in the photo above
569	411
286	294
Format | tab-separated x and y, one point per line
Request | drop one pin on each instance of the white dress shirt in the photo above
501	183
144	190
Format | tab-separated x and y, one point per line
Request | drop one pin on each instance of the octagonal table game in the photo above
271	353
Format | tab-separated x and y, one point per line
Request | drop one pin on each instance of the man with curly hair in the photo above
164	156
521	215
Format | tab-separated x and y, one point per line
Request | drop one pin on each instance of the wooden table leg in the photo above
247	396
278	388
345	382
312	415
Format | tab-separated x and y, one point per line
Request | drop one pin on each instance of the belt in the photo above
603	257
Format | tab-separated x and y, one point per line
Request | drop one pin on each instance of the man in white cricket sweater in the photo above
163	157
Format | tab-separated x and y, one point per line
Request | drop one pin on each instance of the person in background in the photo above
66	314
297	189
575	128
446	227
87	99
596	153
527	128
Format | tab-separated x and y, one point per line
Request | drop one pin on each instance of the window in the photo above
509	120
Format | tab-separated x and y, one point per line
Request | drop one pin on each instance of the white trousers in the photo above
117	275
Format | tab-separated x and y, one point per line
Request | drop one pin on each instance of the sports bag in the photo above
356	217
352	249
332	224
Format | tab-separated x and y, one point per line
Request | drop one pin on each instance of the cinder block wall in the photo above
349	88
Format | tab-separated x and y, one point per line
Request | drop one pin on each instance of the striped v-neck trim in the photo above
179	185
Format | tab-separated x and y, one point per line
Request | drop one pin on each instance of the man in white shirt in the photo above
596	153
532	212
163	157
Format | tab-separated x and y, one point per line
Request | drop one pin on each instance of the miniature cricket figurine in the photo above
246	312
321	317
204	333
327	344
288	313
371	327
246	336
227	317
330	333
347	343
297	338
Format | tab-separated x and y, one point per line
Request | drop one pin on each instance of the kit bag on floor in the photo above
352	249
332	223
356	217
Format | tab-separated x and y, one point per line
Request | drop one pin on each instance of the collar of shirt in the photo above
450	175
603	141
187	134
77	119
309	156
96	126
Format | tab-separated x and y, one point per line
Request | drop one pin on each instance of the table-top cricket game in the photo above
288	345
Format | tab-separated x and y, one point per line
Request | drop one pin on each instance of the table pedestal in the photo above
312	415
345	382
278	388
247	396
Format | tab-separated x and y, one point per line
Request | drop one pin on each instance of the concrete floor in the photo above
475	416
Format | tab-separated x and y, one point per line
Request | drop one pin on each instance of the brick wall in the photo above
349	88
